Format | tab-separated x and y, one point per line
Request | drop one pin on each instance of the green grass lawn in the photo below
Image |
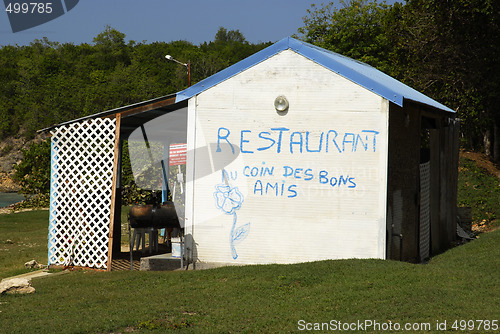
23	237
480	191
459	284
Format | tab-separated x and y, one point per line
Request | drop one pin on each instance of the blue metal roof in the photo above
355	71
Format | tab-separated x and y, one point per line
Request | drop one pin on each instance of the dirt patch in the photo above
7	183
482	161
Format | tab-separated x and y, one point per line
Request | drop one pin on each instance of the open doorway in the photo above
149	208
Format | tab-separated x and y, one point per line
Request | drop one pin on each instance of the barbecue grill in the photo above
155	216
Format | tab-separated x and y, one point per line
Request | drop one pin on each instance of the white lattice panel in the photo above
81	188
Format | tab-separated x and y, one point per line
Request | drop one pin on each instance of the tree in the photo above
9	123
450	50
111	49
225	36
358	30
228	48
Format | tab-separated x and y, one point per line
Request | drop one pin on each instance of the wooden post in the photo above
117	237
114	187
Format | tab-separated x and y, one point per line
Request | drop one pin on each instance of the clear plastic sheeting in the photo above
147	161
149	148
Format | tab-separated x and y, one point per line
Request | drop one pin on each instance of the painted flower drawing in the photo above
228	199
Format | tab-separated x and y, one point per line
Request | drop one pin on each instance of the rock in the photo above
33	265
16	285
7	184
30	264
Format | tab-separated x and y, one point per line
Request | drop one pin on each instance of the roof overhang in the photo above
134	115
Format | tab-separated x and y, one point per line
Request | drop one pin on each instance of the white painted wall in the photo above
306	218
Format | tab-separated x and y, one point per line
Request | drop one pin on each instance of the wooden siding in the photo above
403	182
404	194
444	171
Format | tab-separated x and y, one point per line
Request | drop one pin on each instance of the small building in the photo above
294	154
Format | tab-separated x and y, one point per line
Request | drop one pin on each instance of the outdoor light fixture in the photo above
188	66
281	105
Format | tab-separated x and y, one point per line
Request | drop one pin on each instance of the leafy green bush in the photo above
34	201
33	173
132	194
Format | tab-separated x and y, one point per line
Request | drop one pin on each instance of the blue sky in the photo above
195	21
